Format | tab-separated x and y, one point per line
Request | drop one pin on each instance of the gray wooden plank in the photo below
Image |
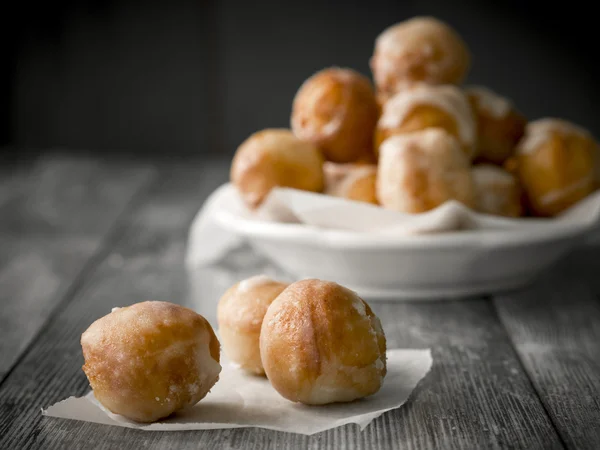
59	213
476	396
37	274
165	201
555	328
65	195
158	228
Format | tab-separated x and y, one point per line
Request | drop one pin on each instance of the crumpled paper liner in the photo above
239	400
209	241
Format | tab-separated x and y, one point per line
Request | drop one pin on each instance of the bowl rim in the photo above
344	239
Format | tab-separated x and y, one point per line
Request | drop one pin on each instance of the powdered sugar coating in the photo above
498	191
447	98
359	306
420	49
421	170
487	174
539	131
240	314
558	194
321	343
139	359
340	178
252	282
243	306
306	129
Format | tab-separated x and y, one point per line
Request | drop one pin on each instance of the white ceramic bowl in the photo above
404	267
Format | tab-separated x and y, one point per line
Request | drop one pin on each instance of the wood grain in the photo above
476	395
62	195
58	213
555	328
35	276
53	362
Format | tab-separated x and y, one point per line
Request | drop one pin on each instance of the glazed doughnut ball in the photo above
321	343
275	157
240	314
336	110
151	359
425	106
422	49
419	171
351	181
498	191
556	165
499	125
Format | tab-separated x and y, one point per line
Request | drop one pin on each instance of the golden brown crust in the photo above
336	110
423	107
243	349
555	162
422	49
422	170
419	118
352	181
321	343
499	125
244	304
240	313
150	359
498	191
275	157
382	98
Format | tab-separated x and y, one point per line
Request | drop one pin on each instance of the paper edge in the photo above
483	222
156	426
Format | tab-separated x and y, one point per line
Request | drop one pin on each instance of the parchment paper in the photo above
239	400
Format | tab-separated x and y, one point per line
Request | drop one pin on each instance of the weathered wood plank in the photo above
34	276
555	328
59	212
66	195
476	396
118	281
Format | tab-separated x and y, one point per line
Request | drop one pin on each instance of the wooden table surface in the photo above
81	235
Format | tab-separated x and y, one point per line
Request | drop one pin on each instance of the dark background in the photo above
185	78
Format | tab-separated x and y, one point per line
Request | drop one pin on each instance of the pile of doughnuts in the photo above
418	138
316	341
